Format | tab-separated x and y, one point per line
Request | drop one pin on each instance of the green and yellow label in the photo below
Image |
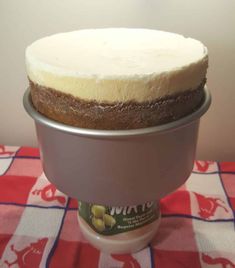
108	220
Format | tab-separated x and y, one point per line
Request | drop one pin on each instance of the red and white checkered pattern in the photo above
39	228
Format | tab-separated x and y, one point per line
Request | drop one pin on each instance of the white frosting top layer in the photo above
117	64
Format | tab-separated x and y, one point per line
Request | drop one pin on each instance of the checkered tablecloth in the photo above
39	228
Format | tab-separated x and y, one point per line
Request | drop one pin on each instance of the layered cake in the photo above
116	78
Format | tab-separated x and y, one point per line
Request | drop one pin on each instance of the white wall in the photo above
211	21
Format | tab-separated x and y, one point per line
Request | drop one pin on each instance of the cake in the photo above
116	78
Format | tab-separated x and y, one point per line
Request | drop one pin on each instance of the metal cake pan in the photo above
117	167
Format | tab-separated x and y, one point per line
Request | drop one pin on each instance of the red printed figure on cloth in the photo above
48	193
225	263
128	261
4	152
203	166
209	205
30	256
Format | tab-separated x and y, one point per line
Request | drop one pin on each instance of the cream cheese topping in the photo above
117	64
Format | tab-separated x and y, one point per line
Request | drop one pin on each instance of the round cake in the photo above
116	78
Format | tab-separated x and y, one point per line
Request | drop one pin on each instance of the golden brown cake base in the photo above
73	111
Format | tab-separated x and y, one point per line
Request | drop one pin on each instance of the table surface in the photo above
39	228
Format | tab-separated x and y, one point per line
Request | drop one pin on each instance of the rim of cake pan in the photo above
39	118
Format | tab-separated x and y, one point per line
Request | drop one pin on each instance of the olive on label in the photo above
98	211
109	220
98	224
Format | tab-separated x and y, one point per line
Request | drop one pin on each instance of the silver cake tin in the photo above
117	167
